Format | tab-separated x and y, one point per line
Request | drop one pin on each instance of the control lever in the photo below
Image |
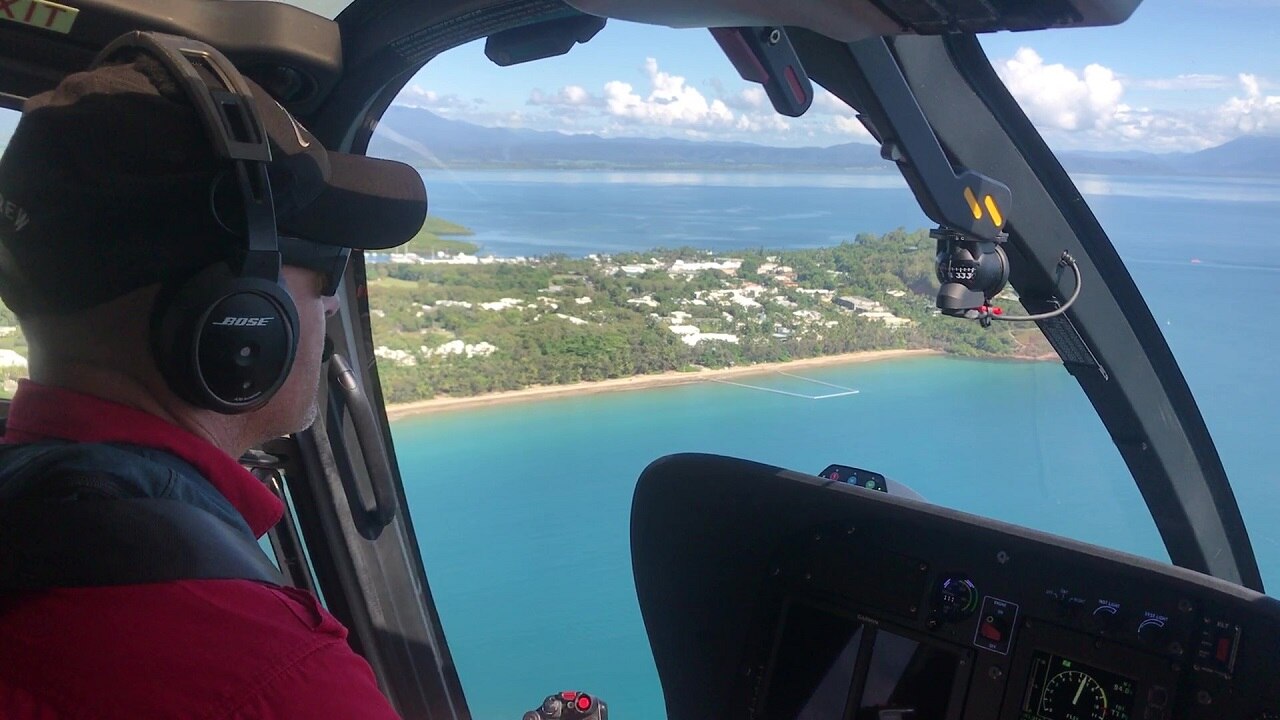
570	705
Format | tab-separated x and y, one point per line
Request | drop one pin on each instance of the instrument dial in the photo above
957	598
1066	689
1073	695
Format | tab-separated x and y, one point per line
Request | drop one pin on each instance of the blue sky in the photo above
1179	75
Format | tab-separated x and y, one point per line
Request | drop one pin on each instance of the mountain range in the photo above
424	139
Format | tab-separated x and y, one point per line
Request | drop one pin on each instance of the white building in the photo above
458	347
502	304
11	359
399	357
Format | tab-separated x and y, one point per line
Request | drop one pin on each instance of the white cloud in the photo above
671	101
1086	109
841	121
454	107
849	126
825	103
1148	129
1190	81
420	97
771	122
1255	112
1057	97
828	116
749	98
567	96
660	103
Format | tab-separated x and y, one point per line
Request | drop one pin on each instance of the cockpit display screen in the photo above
1063	689
907	679
828	666
813	665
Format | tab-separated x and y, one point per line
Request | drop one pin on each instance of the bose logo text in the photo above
230	321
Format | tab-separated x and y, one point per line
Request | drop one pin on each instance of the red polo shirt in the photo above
197	649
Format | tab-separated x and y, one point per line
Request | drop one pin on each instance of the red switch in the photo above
991	632
1224	650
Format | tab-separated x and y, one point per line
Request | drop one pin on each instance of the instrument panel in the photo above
774	595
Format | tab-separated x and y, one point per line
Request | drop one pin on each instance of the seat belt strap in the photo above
94	541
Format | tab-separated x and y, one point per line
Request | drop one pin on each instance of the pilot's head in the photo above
122	247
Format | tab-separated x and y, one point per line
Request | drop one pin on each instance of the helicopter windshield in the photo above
611	275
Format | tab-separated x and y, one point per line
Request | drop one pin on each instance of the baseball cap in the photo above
107	185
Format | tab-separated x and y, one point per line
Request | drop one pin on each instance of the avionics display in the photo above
907	679
825	665
1063	689
813	665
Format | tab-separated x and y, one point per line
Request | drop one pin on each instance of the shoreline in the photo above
400	411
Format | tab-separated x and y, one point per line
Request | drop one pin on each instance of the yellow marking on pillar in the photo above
974	207
39	13
996	217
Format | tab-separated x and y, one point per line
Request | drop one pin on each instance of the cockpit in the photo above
810	542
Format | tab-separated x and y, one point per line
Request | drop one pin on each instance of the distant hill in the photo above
1249	156
1252	155
425	139
1120	163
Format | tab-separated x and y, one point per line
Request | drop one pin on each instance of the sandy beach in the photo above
422	407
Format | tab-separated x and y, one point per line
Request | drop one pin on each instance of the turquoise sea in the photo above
522	510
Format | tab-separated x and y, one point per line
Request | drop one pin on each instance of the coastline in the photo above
400	411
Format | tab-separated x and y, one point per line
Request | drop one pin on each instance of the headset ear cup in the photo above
224	343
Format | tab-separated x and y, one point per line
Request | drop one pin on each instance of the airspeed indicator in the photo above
1073	695
1064	689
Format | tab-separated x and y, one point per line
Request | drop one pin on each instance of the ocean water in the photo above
536	212
522	510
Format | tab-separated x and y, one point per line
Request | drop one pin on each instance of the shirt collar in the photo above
41	412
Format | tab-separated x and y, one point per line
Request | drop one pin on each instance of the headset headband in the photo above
226	108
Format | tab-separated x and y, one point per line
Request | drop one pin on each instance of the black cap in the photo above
106	187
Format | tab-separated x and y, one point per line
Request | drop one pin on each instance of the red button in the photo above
568	695
1224	650
584	702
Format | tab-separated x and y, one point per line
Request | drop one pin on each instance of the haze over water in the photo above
522	510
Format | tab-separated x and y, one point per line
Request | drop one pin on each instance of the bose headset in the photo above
225	338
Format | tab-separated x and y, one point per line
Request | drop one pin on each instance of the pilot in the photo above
109	206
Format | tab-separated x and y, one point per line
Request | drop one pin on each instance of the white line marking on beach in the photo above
788	393
764	389
820	382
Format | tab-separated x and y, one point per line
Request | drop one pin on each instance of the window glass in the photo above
13	346
324	8
1170	126
8	121
624	243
